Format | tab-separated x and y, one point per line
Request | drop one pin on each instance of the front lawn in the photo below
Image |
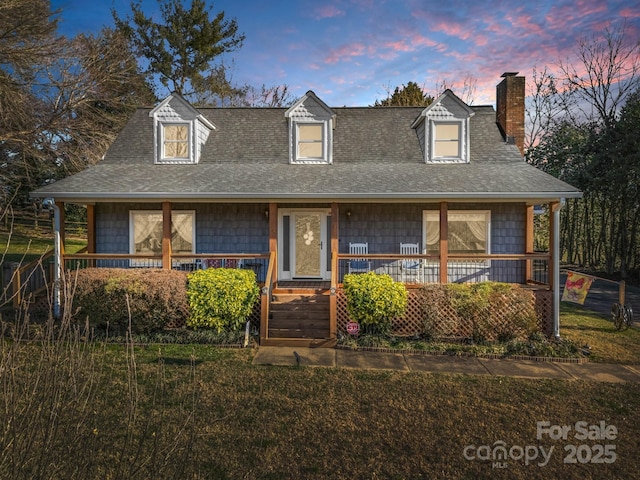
88	410
607	344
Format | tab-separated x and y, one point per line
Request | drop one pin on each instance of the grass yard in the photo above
207	413
608	345
23	245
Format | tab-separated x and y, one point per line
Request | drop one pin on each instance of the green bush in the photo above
374	300
156	298
221	298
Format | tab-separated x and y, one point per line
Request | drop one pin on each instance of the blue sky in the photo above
353	52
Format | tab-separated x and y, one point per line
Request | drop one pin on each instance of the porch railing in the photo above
419	269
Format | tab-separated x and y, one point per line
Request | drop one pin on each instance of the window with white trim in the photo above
145	232
310	141
175	142
468	232
447	140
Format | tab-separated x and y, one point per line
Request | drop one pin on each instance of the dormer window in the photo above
447	140
175	141
310	138
180	131
443	130
311	124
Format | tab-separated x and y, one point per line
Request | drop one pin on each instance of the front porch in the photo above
536	270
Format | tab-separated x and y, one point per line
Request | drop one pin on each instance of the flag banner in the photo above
576	288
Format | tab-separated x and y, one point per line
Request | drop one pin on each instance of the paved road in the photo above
604	294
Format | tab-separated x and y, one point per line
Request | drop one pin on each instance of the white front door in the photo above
306	247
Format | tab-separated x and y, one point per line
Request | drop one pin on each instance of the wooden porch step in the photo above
299	315
299	342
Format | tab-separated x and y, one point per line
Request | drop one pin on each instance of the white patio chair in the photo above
359	265
411	268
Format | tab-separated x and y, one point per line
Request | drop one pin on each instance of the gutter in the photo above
120	196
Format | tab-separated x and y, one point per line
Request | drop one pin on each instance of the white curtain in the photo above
147	232
182	226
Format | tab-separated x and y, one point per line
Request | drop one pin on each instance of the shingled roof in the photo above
376	155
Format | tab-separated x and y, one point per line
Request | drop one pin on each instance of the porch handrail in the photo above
265	298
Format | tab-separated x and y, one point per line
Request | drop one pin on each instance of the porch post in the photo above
333	299
166	235
91	232
91	229
62	226
528	274
554	264
273	238
444	243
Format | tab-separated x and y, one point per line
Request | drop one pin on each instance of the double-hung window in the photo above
447	140
175	141
310	141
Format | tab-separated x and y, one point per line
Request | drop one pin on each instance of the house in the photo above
285	191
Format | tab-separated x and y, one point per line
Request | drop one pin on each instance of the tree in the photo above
27	41
607	72
583	124
410	95
68	109
182	50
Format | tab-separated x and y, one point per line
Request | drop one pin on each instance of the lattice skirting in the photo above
439	318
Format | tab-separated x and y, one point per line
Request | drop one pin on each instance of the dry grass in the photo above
278	422
607	344
257	422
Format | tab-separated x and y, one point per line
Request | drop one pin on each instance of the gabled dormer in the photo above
443	130
311	124
179	131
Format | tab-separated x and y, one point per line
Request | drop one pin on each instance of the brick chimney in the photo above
510	108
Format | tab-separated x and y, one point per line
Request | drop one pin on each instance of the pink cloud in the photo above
344	52
525	25
328	11
629	13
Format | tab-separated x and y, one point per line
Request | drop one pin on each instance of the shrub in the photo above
374	300
221	298
156	298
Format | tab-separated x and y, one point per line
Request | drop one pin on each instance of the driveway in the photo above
603	294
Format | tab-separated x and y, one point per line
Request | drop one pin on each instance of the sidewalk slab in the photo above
524	368
445	364
602	372
371	360
317	357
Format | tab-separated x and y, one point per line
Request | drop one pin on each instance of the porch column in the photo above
554	263
166	235
62	226
333	299
91	229
444	242
273	238
528	274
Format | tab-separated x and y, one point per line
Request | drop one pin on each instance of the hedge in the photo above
156	298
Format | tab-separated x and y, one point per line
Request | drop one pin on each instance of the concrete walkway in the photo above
336	358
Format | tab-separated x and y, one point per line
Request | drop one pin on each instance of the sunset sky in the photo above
352	52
